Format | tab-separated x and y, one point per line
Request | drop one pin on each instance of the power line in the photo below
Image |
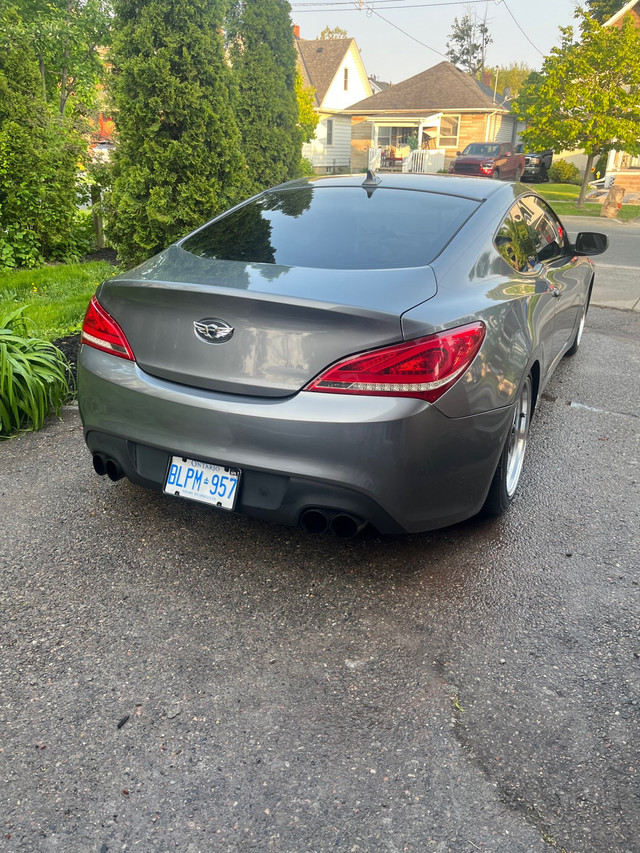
404	32
354	5
370	7
519	27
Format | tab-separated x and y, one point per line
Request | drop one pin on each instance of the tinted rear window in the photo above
335	228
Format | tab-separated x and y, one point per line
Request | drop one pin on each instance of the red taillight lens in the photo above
101	331
424	368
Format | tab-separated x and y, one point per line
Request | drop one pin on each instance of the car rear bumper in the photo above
399	463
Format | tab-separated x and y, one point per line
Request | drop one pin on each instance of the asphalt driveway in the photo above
172	678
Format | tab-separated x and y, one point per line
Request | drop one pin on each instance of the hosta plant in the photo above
34	376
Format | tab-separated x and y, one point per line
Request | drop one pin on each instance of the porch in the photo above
624	169
425	161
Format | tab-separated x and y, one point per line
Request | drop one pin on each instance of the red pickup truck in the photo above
489	159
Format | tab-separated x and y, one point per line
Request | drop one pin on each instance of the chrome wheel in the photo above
518	439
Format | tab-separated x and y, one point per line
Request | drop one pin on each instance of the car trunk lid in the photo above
288	323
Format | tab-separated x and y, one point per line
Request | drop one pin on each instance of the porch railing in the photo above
375	155
424	161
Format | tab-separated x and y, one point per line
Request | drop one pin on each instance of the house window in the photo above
449	129
384	137
329	131
346	79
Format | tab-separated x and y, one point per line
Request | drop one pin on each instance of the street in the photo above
618	270
174	678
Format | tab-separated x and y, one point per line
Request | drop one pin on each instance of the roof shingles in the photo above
443	87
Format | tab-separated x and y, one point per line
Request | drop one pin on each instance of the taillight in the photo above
424	368
101	331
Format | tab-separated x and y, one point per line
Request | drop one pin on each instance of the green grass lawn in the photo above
563	199
56	296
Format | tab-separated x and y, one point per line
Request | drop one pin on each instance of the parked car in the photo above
489	160
537	165
337	351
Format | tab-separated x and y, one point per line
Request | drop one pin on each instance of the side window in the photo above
329	131
516	241
549	234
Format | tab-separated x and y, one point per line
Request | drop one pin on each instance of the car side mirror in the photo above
507	153
591	243
457	153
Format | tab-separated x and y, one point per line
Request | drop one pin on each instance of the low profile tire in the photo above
575	346
507	476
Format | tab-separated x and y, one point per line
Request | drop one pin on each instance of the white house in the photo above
334	68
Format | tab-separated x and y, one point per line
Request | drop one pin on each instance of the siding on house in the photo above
361	141
335	157
337	97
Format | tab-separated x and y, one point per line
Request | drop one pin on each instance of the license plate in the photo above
202	481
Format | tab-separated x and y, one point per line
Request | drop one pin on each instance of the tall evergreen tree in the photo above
263	59
178	160
39	155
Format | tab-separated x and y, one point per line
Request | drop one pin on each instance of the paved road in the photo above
618	270
176	679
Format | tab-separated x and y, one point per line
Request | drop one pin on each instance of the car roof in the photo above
477	189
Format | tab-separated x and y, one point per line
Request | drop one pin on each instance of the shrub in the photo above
39	156
563	172
178	159
34	376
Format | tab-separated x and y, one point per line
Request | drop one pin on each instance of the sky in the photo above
522	30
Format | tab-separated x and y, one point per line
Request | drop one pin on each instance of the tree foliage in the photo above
178	159
66	36
263	61
308	118
602	10
513	76
587	95
333	33
467	45
39	154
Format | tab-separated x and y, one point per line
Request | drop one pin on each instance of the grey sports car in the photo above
339	351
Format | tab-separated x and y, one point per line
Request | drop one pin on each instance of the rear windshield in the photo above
335	228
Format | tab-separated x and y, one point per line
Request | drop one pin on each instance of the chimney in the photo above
486	78
296	31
